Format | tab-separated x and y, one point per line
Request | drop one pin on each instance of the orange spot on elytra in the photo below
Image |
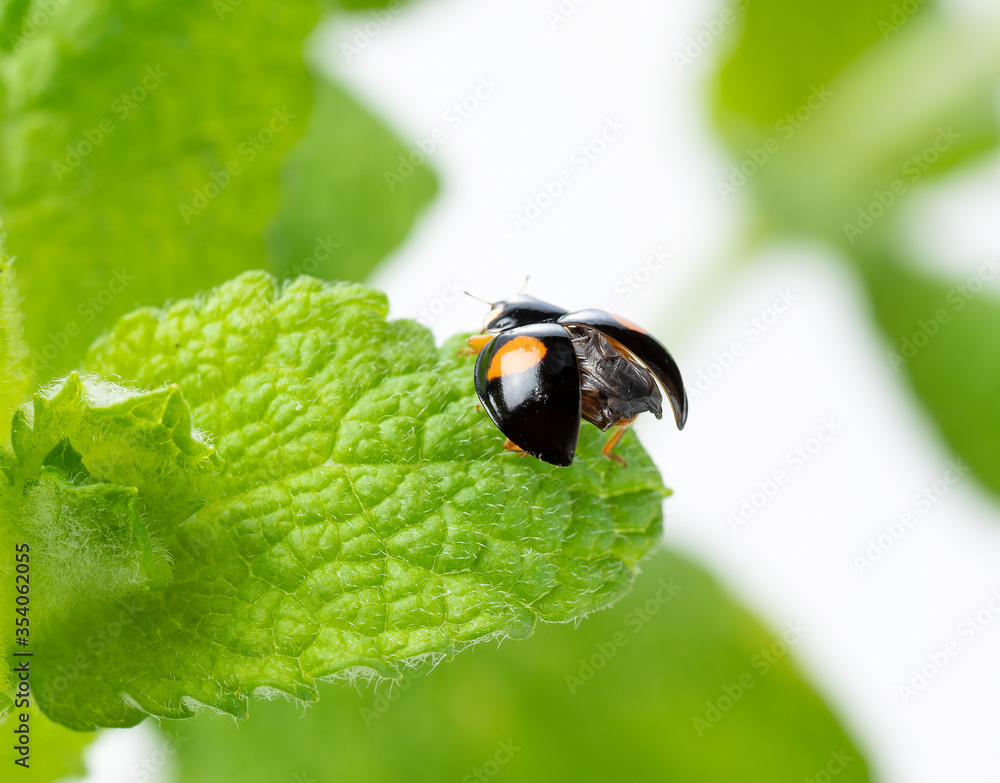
519	355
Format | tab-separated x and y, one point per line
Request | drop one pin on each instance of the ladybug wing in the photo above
528	379
644	347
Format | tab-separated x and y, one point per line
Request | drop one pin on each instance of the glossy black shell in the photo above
536	404
520	311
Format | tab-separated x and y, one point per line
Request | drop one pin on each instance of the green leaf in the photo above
145	151
15	375
97	474
14	383
133	439
860	118
618	698
883	119
339	215
367	517
89	541
945	338
7	684
785	49
142	148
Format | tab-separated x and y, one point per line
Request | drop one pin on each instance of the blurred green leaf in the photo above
14	386
835	115
946	337
144	148
15	373
6	676
339	216
141	150
675	683
824	127
784	50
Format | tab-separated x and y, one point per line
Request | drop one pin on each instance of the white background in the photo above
654	188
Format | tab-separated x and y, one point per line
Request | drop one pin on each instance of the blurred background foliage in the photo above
908	94
151	150
674	683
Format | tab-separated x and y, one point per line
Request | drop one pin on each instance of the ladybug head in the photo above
520	310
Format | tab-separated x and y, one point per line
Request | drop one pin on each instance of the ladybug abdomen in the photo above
615	387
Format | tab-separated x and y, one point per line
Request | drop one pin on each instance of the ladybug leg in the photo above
509	445
620	429
476	343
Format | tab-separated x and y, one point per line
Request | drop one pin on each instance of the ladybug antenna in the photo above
478	299
523	287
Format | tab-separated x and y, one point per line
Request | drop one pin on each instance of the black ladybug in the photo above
541	370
